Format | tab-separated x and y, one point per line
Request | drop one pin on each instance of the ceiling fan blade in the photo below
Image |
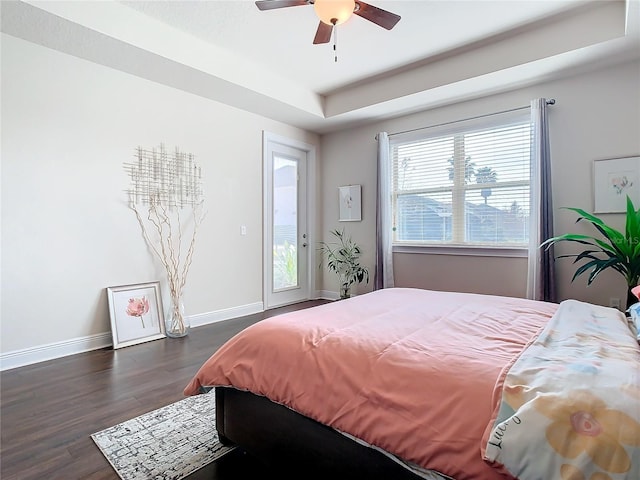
376	15
272	4
323	34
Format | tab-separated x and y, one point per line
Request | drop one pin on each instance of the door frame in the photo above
269	139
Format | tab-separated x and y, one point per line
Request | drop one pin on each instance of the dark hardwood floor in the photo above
49	410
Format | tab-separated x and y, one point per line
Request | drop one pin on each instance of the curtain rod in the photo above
551	101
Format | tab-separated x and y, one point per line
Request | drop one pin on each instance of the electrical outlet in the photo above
614	302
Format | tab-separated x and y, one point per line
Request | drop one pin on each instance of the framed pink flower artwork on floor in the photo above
136	314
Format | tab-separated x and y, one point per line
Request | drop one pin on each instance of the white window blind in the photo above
465	184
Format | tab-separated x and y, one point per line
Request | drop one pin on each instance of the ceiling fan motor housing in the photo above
334	12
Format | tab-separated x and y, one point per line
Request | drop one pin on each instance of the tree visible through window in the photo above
470	186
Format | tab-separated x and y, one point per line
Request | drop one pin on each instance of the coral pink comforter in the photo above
410	371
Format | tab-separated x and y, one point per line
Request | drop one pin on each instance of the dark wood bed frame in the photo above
284	439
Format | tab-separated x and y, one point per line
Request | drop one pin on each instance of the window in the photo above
467	184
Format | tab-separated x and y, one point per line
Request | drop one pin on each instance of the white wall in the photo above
68	126
597	115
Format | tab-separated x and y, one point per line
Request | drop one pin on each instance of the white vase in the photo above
176	322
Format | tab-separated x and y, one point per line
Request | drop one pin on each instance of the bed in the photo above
412	383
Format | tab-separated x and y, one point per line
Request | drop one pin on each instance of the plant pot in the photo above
345	292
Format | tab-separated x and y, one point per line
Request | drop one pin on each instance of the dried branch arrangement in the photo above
163	186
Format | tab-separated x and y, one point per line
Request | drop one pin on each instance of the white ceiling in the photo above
440	52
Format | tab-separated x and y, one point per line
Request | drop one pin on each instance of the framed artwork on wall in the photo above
350	203
613	180
136	314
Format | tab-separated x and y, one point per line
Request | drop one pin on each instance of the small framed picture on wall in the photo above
350	203
613	180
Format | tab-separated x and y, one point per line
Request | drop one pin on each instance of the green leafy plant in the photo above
343	258
616	250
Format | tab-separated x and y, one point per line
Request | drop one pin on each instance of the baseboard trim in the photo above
328	295
53	351
201	319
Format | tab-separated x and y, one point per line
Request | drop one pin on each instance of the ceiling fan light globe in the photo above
334	12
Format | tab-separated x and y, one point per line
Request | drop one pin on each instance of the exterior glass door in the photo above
286	239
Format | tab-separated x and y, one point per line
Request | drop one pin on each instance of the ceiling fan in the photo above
335	12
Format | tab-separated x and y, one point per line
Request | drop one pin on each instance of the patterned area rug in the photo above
165	444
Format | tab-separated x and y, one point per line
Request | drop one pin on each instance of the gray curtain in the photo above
383	275
541	283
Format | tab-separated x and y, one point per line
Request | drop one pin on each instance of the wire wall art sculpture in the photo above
166	194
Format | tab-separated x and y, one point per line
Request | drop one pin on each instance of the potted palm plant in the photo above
617	250
343	258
